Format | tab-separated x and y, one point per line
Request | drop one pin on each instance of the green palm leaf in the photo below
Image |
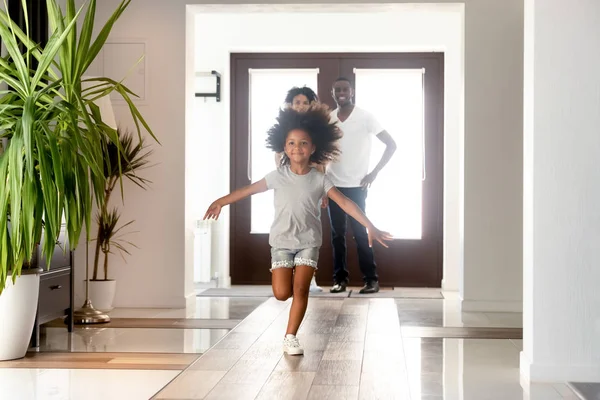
55	44
53	167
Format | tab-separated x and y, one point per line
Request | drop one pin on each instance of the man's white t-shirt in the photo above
353	164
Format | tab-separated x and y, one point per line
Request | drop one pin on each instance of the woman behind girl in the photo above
304	138
300	99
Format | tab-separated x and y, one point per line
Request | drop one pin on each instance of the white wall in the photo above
156	275
400	30
493	216
561	214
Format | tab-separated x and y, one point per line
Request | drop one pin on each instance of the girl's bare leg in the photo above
302	279
281	281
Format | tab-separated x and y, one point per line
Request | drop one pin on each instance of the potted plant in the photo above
51	163
132	158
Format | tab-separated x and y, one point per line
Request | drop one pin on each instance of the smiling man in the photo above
351	175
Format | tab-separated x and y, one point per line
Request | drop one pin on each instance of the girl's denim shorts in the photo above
290	258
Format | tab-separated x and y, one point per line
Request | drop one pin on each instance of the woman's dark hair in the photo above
316	122
295	91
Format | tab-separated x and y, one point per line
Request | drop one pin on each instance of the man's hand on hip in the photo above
368	180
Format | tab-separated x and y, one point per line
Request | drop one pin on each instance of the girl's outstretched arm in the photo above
355	212
215	208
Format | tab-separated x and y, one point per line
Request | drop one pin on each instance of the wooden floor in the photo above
137	361
353	349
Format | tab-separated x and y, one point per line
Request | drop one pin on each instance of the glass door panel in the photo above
395	98
268	88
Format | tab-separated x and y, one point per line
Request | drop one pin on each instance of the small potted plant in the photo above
118	163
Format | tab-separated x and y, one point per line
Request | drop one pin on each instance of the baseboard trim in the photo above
491	306
224	282
449	287
552	373
524	368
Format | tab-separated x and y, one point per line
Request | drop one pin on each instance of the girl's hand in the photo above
213	211
324	202
379	236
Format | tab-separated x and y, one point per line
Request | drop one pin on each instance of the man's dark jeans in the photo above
337	217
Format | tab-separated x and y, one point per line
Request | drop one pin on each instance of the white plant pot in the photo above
102	294
18	306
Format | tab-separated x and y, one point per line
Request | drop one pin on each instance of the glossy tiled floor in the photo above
446	312
356	348
588	391
55	384
206	307
153	340
131	340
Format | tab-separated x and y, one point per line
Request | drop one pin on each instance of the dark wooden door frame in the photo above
425	270
240	212
37	12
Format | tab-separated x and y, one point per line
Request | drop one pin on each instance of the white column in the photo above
562	191
493	149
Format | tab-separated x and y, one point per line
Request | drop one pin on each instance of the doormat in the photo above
260	291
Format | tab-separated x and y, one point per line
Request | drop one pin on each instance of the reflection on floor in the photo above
446	312
88	384
154	330
206	308
587	391
356	348
160	323
125	360
133	357
136	340
454	332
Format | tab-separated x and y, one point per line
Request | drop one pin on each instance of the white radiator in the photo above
202	251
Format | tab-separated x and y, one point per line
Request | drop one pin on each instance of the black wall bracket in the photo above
217	93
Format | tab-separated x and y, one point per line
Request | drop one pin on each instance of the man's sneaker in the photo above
291	346
370	287
314	288
338	288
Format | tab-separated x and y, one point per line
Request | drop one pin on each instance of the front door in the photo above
404	91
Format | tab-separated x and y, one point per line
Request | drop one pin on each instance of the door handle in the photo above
249	167
55	287
249	135
423	144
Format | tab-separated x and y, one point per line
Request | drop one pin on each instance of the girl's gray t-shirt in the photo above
297	222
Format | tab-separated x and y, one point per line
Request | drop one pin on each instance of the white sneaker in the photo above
314	288
291	345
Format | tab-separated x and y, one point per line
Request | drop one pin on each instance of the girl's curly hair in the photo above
316	122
